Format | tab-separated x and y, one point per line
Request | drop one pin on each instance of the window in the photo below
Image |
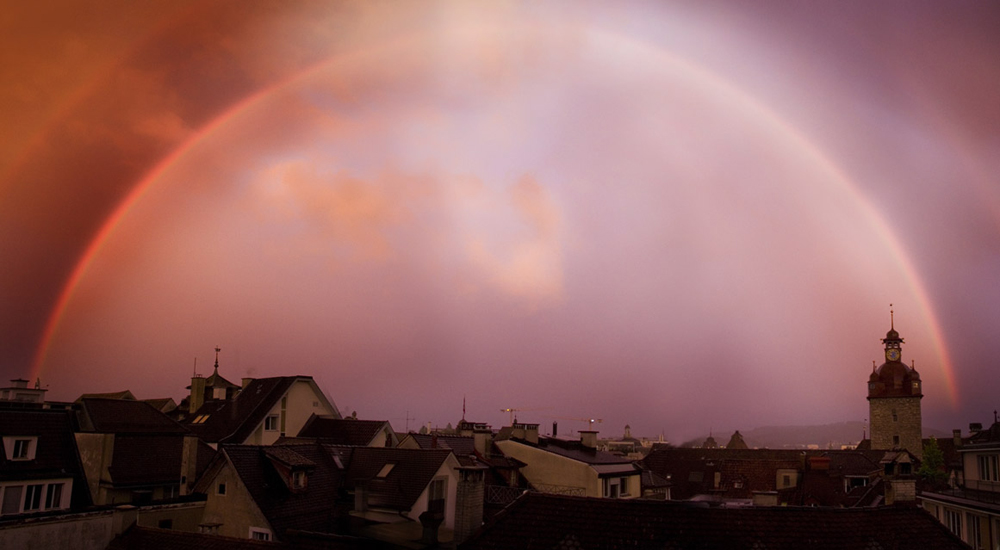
33	498
895	441
894	417
989	467
12	499
259	534
299	479
786	480
20	447
973	530
200	419
53	496
436	495
221	490
219	393
385	471
905	468
271	423
954	522
623	486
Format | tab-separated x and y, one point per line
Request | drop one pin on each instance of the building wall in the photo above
236	511
545	468
988	523
907	423
446	471
95	451
300	402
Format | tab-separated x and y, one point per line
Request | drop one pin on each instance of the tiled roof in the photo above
234	421
148	538
317	508
153	459
124	394
123	416
461	445
55	452
576	451
413	471
342	431
162	404
540	521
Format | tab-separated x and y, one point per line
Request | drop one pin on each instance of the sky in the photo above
681	216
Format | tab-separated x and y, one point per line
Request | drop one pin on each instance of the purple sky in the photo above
683	217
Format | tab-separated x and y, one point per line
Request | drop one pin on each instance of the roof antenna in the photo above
463	407
873	366
217	350
194	371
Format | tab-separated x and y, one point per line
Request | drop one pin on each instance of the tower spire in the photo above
892	318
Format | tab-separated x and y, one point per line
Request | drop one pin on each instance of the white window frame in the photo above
29	448
953	521
273	419
989	467
256	533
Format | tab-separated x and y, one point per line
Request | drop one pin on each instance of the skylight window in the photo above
200	419
384	472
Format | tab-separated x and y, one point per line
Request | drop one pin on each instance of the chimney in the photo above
956	436
588	438
555	428
189	463
468	502
197	398
246	382
481	441
531	433
361	496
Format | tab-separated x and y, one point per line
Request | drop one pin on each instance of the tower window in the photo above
894	417
895	441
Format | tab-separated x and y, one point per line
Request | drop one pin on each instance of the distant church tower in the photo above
894	395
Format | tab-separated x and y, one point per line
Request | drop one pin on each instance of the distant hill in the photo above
825	436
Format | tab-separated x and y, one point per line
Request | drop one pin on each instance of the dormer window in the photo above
299	479
20	447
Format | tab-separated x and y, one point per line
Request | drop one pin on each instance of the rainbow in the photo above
697	75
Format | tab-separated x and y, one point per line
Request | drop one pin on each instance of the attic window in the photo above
221	489
20	447
299	479
384	472
271	423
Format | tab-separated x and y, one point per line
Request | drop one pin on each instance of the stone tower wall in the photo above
907	424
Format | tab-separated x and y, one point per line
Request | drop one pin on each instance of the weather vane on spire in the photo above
892	318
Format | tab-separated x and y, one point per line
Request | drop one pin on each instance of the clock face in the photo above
892	354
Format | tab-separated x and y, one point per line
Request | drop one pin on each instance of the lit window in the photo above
271	423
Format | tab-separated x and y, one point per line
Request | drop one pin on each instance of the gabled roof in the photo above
152	459
344	431
162	404
123	416
234	421
316	508
537	520
55	449
413	470
460	445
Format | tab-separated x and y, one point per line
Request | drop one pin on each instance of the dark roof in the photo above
234	421
989	437
459	444
413	471
55	449
316	508
342	431
152	459
123	416
541	521
575	450
162	404
148	538
124	394
742	471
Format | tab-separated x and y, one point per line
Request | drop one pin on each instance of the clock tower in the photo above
894	394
